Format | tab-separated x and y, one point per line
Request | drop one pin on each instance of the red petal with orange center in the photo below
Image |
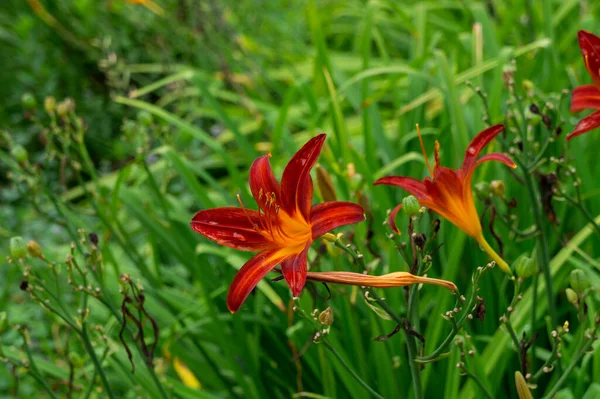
294	271
262	180
232	227
250	274
477	145
585	97
296	183
413	186
590	51
586	124
330	215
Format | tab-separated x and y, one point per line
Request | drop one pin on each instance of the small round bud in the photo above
18	249
3	322
483	189
64	107
411	206
145	118
525	266
19	153
578	281
50	104
28	101
498	188
527	85
326	317
34	249
76	359
572	296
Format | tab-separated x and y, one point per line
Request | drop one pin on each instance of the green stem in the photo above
90	349
543	250
34	372
415	372
571	366
351	371
478	382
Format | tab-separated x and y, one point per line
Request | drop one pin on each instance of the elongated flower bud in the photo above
578	281
396	279
411	205
18	249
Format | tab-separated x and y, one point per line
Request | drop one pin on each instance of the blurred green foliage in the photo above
173	109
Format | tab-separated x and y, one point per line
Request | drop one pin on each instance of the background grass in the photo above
176	108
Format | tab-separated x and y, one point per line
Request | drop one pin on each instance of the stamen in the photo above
246	213
423	149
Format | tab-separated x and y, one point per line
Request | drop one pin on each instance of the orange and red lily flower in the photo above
448	192
283	227
588	96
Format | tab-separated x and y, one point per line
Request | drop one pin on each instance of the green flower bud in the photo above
525	266
34	249
77	360
483	189
28	101
579	281
411	206
326	317
572	296
498	188
18	249
3	322
50	104
19	153
527	86
145	118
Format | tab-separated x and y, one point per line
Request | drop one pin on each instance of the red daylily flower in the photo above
588	96
448	193
283	227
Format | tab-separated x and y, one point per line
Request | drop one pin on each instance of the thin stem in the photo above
543	250
478	382
35	373
350	370
90	349
415	372
571	366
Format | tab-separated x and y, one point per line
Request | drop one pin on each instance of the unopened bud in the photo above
19	153
522	389
527	86
525	266
18	249
76	359
578	281
325	185
572	296
326	317
498	188
50	104
28	101
411	206
64	107
34	249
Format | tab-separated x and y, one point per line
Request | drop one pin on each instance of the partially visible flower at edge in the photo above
588	96
449	193
284	226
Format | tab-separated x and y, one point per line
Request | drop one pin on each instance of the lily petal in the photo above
294	271
250	274
496	156
262	180
585	97
330	215
296	183
590	51
413	186
232	227
588	123
392	218
477	145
